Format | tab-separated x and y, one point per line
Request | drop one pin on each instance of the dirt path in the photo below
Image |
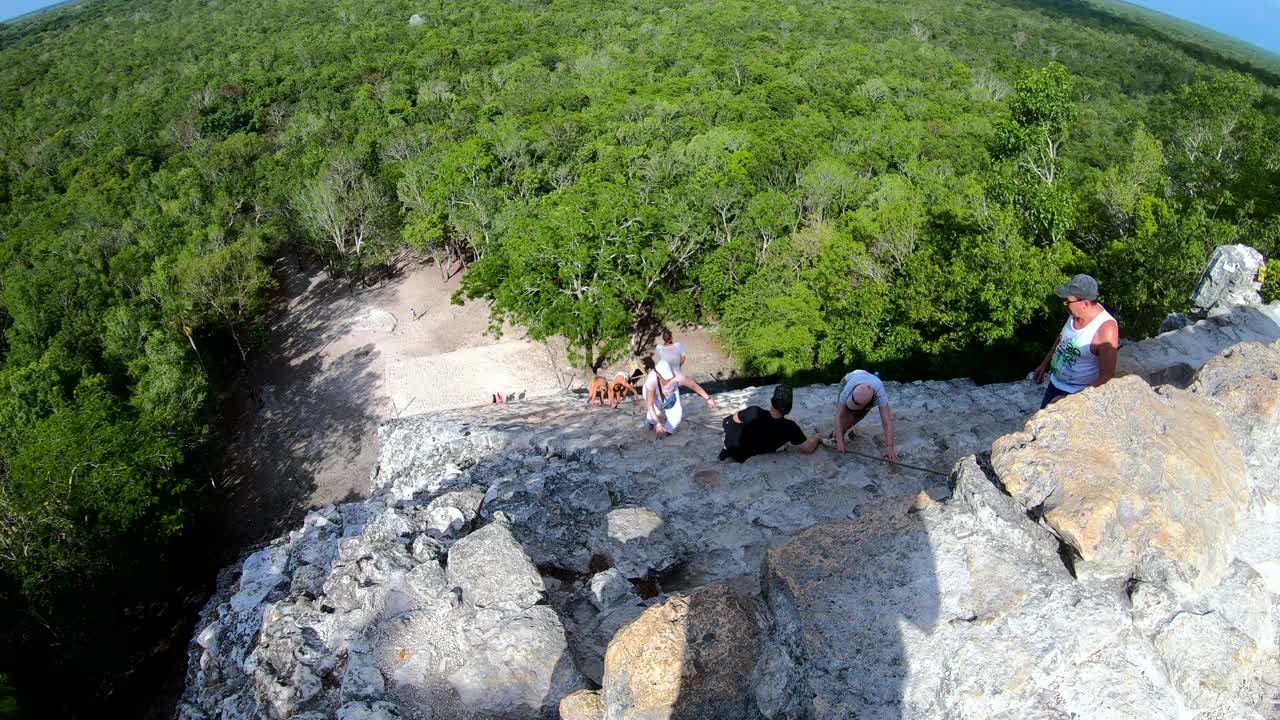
303	427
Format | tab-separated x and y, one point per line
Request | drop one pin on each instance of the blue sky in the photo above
14	8
1255	21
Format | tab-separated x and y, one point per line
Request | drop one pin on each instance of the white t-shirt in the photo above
671	353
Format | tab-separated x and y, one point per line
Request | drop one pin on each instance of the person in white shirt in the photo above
662	398
670	350
1084	355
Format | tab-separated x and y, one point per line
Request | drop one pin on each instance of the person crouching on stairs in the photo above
859	392
618	386
662	398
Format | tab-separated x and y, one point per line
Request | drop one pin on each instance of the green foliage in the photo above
1120	188
1193	38
347	216
828	299
1271	284
1213	125
579	265
224	119
827	185
85	488
171	388
8	699
1041	114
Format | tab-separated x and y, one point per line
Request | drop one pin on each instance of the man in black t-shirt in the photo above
756	431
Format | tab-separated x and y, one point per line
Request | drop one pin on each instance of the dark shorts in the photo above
1052	392
732	439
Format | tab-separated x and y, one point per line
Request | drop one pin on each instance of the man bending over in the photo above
859	392
756	431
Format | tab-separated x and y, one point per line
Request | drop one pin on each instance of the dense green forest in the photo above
1193	38
826	183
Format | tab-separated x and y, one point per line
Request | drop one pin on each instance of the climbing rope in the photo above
899	463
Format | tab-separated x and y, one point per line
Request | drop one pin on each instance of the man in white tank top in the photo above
1084	355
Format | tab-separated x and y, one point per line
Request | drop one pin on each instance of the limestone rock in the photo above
445	521
639	543
591	639
1174	321
961	609
1229	279
1209	659
367	711
691	656
1174	357
466	501
263	572
552	513
594	612
582	705
1243	384
610	589
388	525
421	455
361	679
937	601
521	669
1139	484
492	569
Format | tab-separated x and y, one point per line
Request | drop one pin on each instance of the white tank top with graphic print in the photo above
1074	365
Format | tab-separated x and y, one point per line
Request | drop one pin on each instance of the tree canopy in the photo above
880	184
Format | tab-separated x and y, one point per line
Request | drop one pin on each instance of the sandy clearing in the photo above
303	421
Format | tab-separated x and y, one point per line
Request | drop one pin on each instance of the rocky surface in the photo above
964	610
1118	556
1242	384
1230	279
1173	358
1138	483
690	656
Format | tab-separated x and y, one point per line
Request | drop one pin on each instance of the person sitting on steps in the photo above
756	431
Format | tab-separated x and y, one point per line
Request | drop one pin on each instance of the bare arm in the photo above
886	419
808	447
842	414
694	386
1106	346
1044	364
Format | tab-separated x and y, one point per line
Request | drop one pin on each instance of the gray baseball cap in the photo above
1082	286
